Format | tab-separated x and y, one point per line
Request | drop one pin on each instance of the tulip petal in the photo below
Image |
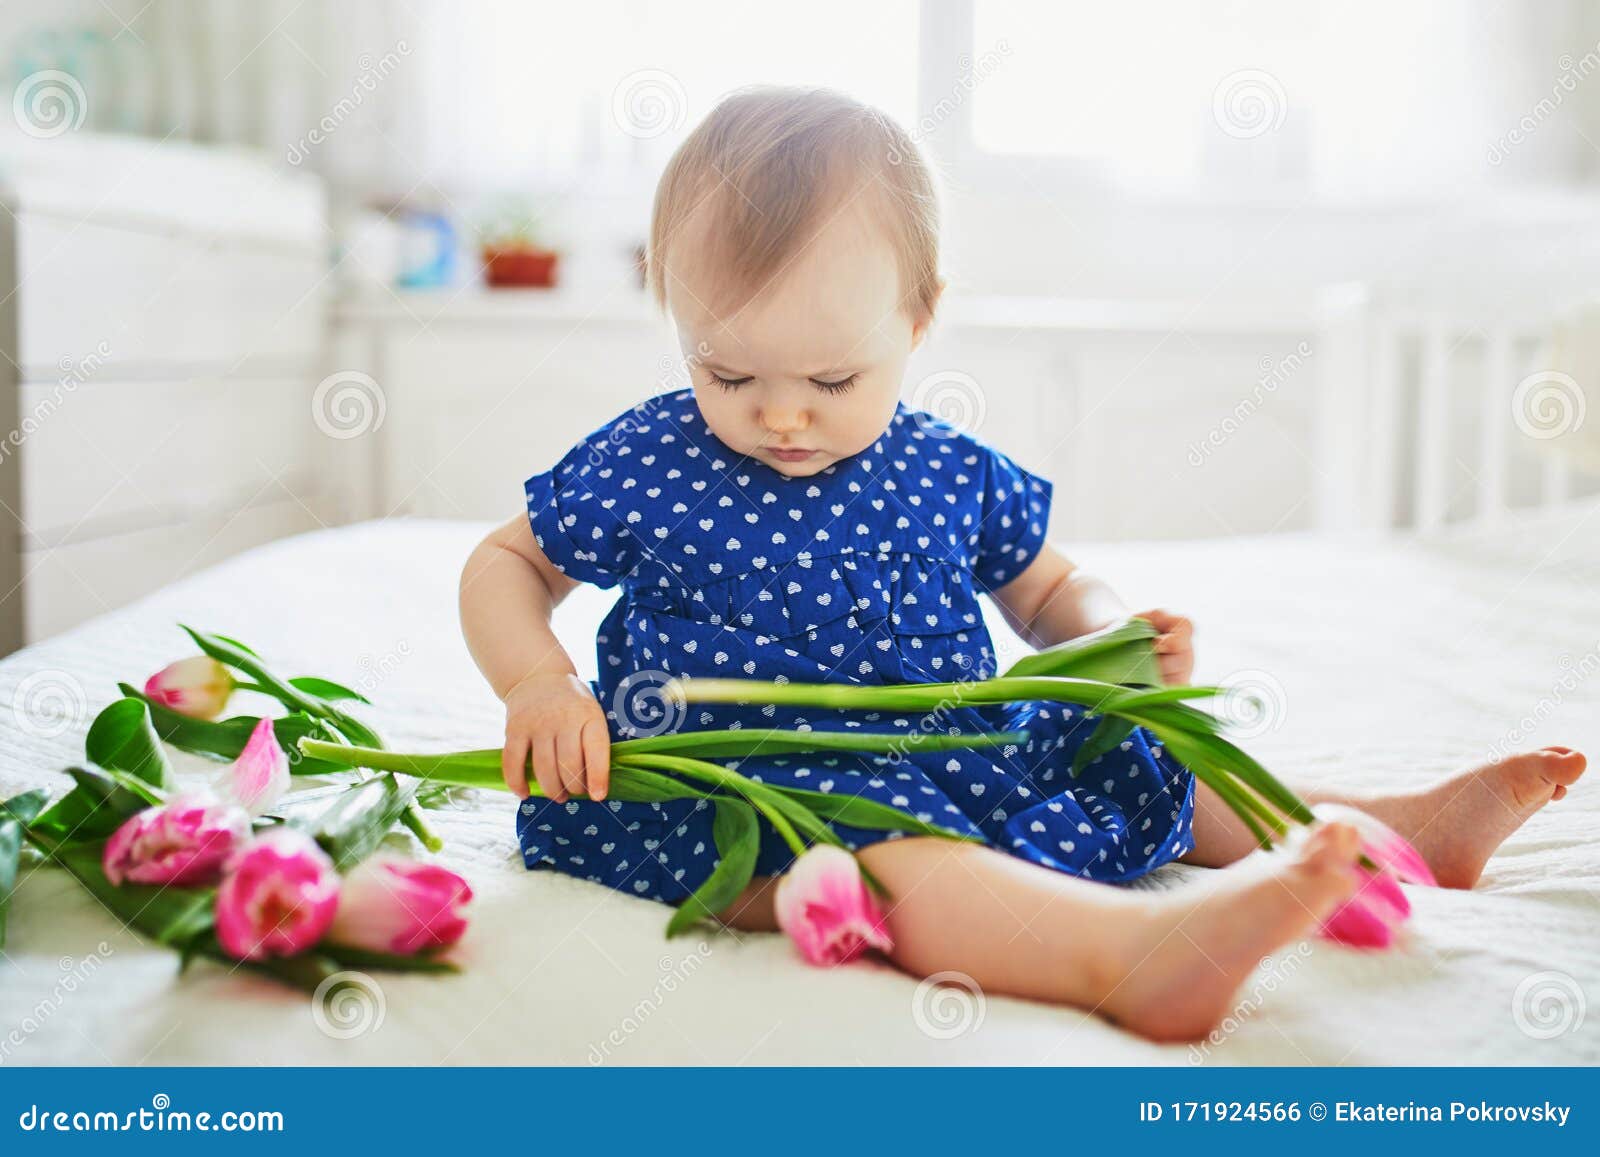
825	908
278	897
391	904
258	779
184	842
198	687
1384	846
1357	924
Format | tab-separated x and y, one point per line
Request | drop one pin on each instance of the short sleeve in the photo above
578	519
1015	520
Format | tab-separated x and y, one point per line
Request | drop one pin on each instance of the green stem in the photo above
412	818
759	796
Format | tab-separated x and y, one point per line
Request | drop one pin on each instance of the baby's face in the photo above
814	362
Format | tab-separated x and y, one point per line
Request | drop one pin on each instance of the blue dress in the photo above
867	572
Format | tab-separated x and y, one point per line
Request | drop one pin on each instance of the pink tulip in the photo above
183	842
824	906
259	777
198	687
1372	917
391	904
278	897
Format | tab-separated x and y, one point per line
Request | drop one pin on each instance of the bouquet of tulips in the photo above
826	902
290	885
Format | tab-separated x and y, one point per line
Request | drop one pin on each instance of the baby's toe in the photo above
1561	765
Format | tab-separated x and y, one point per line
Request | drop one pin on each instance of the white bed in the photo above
1395	660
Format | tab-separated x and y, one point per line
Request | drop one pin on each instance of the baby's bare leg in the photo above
1164	964
1456	823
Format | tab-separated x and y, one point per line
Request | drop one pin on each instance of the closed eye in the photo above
729	383
835	387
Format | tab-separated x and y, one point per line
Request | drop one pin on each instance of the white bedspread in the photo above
1396	662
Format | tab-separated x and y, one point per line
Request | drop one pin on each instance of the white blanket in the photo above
1395	662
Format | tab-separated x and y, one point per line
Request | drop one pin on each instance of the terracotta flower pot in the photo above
522	268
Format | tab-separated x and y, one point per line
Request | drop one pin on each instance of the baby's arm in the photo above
1053	601
508	591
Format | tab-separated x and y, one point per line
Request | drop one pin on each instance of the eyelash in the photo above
843	385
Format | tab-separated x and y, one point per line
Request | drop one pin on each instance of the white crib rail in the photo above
1415	420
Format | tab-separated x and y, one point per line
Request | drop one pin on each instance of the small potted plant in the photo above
514	253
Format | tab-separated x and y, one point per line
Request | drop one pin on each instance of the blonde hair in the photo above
773	165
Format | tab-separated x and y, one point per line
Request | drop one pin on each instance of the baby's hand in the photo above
557	719
1174	645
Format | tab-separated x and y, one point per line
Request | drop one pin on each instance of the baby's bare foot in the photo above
1458	824
1186	964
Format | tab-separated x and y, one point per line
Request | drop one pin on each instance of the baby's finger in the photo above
597	758
544	768
1175	669
569	759
514	764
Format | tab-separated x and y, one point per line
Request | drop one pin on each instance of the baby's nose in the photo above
784	421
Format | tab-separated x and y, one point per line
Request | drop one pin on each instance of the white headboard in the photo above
1436	414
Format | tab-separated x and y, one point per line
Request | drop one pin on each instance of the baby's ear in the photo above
921	325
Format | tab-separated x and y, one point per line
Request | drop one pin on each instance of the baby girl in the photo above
787	516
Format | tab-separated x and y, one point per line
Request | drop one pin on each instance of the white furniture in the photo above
162	335
1435	411
484	388
1463	643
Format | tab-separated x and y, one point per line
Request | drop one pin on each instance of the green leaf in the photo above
738	840
364	958
1105	738
234	643
326	689
170	916
230	653
122	738
860	812
306	971
224	739
92	810
1122	654
15	814
353	826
